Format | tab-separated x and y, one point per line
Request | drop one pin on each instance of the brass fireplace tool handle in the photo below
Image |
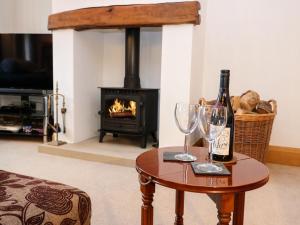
56	126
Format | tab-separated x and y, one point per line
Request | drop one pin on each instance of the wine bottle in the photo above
223	146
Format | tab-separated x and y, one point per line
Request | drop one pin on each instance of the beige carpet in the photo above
116	199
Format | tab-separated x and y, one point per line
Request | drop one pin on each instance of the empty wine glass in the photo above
212	121
187	118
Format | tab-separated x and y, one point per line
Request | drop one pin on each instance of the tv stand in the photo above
22	112
14	91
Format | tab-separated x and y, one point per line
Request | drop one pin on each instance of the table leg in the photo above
224	218
225	205
179	207
239	204
147	188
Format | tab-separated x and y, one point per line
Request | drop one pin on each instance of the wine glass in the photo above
187	118
212	121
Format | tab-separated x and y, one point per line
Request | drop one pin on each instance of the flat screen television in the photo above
26	61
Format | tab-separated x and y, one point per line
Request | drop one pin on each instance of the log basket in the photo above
252	134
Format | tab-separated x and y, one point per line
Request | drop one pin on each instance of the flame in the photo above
119	107
132	107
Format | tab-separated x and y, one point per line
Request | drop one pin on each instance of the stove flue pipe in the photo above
132	58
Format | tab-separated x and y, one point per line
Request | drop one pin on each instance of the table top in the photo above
246	174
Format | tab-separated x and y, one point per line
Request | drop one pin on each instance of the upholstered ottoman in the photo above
26	200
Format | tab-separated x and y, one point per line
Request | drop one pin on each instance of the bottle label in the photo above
221	144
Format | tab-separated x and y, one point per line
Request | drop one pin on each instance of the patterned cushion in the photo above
26	200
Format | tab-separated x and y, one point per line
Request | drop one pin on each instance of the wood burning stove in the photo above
131	110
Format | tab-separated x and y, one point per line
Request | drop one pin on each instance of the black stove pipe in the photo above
132	58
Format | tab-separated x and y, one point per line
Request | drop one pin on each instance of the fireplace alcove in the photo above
130	110
177	20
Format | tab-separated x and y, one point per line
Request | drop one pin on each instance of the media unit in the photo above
26	78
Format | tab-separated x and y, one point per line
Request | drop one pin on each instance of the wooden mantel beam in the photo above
122	16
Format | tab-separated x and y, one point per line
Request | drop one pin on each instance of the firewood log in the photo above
264	107
235	103
249	100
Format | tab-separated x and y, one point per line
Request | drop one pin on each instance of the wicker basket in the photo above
252	134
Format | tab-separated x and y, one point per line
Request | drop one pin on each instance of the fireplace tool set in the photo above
51	128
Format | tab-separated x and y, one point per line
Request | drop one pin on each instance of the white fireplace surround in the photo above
170	60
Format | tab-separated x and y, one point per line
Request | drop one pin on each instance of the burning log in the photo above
121	114
118	109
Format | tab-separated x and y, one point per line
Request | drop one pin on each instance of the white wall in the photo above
175	79
198	64
63	72
113	70
150	57
113	58
6	18
259	42
32	16
198	56
77	63
19	16
88	46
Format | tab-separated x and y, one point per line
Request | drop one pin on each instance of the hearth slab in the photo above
117	151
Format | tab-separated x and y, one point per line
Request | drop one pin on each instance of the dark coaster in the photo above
170	156
200	169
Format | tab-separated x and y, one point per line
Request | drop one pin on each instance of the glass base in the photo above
185	157
209	167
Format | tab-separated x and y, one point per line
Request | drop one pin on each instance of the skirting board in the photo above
277	154
283	155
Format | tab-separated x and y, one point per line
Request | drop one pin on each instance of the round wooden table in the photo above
228	192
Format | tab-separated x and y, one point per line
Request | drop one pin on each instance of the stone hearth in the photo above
120	151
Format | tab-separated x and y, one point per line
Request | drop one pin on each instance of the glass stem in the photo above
210	151
185	144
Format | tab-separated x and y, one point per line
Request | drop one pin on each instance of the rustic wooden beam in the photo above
122	16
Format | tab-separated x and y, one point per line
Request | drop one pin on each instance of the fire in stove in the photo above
122	109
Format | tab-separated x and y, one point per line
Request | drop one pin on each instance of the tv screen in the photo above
26	61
